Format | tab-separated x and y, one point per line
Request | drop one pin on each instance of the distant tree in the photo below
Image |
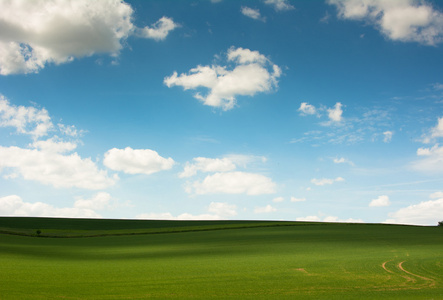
440	223
38	231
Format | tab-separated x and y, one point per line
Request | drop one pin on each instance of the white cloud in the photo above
309	219
434	133
335	114
13	205
343	160
218	211
307	109
264	210
204	164
26	120
222	209
252	73
39	32
325	181
69	130
61	171
380	201
225	164
278	199
387	136
99	201
233	183
349	130
400	20
280	5
330	219
432	161
424	213
159	30
46	161
243	160
136	161
184	216
252	13
436	195
437	131
339	160
54	145
293	199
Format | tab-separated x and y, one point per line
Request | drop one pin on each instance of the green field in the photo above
129	259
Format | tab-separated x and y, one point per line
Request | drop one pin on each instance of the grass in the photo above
201	260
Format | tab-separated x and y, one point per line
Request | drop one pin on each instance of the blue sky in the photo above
274	110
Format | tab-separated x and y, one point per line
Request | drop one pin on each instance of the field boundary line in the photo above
184	230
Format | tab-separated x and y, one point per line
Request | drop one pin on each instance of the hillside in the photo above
297	260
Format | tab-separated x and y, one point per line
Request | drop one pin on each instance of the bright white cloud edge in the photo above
233	183
41	32
253	73
136	161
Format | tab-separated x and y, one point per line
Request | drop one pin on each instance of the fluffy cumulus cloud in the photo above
47	161
52	168
100	201
380	201
204	164
431	161
159	30
435	132
13	205
25	119
398	20
280	5
326	181
233	183
54	145
250	73
335	113
424	213
136	161
39	32
307	109
252	13
263	210
217	211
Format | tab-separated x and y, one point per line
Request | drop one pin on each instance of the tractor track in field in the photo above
410	277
